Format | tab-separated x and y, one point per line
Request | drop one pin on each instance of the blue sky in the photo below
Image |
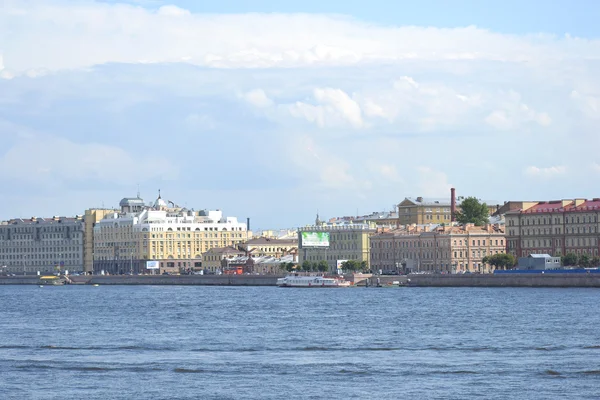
558	17
274	111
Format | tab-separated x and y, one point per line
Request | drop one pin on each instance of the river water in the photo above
199	342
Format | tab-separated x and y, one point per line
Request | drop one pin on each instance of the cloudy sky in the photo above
274	111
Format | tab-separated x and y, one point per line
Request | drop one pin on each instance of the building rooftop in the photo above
269	241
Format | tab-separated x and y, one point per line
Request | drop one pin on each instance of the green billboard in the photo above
315	239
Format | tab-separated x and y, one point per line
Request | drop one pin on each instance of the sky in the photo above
279	111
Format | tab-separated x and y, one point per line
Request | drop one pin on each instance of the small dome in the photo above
159	203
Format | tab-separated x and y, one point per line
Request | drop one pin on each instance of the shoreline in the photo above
418	280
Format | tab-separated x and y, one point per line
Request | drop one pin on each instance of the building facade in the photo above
173	236
427	248
555	227
90	219
44	245
346	242
421	211
211	260
262	246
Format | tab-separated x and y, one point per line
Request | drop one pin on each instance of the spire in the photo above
318	220
159	193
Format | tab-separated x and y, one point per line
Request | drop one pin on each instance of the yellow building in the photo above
174	237
339	243
424	211
91	218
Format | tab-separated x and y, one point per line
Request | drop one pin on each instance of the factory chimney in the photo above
452	204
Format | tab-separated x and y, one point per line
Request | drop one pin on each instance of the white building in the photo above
164	232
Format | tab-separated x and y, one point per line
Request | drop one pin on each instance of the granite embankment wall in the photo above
469	280
509	280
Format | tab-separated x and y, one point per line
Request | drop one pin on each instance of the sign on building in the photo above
152	265
315	239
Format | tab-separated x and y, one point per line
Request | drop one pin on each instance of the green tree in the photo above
322	266
307	266
363	266
500	261
290	267
569	259
472	212
351	265
595	262
584	260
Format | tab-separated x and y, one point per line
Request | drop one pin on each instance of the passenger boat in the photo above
311	281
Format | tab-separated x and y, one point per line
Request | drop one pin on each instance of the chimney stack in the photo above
452	204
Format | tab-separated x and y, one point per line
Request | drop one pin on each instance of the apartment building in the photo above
173	236
343	242
431	248
554	227
44	245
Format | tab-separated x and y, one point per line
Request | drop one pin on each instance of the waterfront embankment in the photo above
416	280
502	280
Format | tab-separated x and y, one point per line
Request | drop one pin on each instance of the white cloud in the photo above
70	35
257	98
515	113
334	107
545	172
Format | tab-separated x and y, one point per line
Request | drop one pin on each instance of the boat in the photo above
52	280
311	281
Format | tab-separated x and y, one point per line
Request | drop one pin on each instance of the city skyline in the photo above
291	109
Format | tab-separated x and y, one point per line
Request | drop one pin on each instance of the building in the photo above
211	260
44	245
554	227
265	265
539	262
422	210
380	218
431	248
90	219
343	242
173	236
259	247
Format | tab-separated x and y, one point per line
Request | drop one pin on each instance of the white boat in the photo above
311	281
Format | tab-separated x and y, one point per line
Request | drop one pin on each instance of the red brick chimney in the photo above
452	204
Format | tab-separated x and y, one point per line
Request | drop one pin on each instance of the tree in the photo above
307	266
363	266
290	267
351	265
595	262
472	212
584	260
569	259
501	260
322	266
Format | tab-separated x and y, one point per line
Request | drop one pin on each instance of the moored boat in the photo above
311	281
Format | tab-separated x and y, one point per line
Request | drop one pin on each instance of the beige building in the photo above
91	218
260	247
555	227
345	242
173	237
211	260
448	249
